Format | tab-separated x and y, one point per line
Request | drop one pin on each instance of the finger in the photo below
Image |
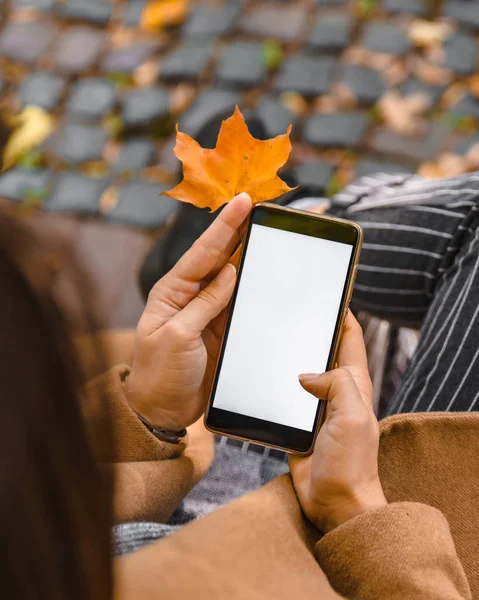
228	255
235	259
352	350
218	324
209	303
300	465
202	257
300	468
329	385
231	254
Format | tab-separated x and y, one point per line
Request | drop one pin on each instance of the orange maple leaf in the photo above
239	163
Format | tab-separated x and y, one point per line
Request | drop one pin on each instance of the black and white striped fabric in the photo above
419	268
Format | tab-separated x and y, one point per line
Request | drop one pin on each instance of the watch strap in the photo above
164	435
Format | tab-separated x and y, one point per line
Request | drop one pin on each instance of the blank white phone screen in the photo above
283	325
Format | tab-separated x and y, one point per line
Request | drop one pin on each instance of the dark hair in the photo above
55	507
4	135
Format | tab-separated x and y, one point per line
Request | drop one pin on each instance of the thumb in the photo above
209	303
332	384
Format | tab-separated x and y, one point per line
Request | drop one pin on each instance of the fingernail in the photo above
227	275
308	377
243	196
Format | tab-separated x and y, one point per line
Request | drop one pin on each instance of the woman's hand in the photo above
340	480
179	334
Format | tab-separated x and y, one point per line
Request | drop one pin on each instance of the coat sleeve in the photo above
402	551
151	477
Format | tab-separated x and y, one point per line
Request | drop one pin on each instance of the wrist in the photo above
155	416
353	507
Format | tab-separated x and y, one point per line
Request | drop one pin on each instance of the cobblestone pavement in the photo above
369	85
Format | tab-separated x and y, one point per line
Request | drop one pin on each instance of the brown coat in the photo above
422	546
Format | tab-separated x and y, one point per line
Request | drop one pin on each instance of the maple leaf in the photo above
239	163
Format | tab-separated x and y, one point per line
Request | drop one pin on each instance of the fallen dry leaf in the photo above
472	157
474	85
428	33
345	97
451	165
181	97
294	102
146	74
239	163
109	199
429	170
403	115
379	61
30	129
428	72
159	14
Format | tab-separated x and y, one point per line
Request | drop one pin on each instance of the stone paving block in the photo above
386	38
166	156
140	205
275	117
468	106
76	193
370	166
412	87
209	105
285	23
135	154
315	174
93	11
132	11
127	59
464	11
461	53
331	33
145	106
26	42
241	65
307	75
343	130
413	7
367	85
213	21
76	144
38	5
21	184
187	62
78	49
41	89
414	148
466	143
91	99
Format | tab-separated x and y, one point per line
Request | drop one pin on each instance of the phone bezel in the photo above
242	427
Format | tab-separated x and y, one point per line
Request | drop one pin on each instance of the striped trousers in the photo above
420	268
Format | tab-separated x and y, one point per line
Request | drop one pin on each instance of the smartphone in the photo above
295	281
